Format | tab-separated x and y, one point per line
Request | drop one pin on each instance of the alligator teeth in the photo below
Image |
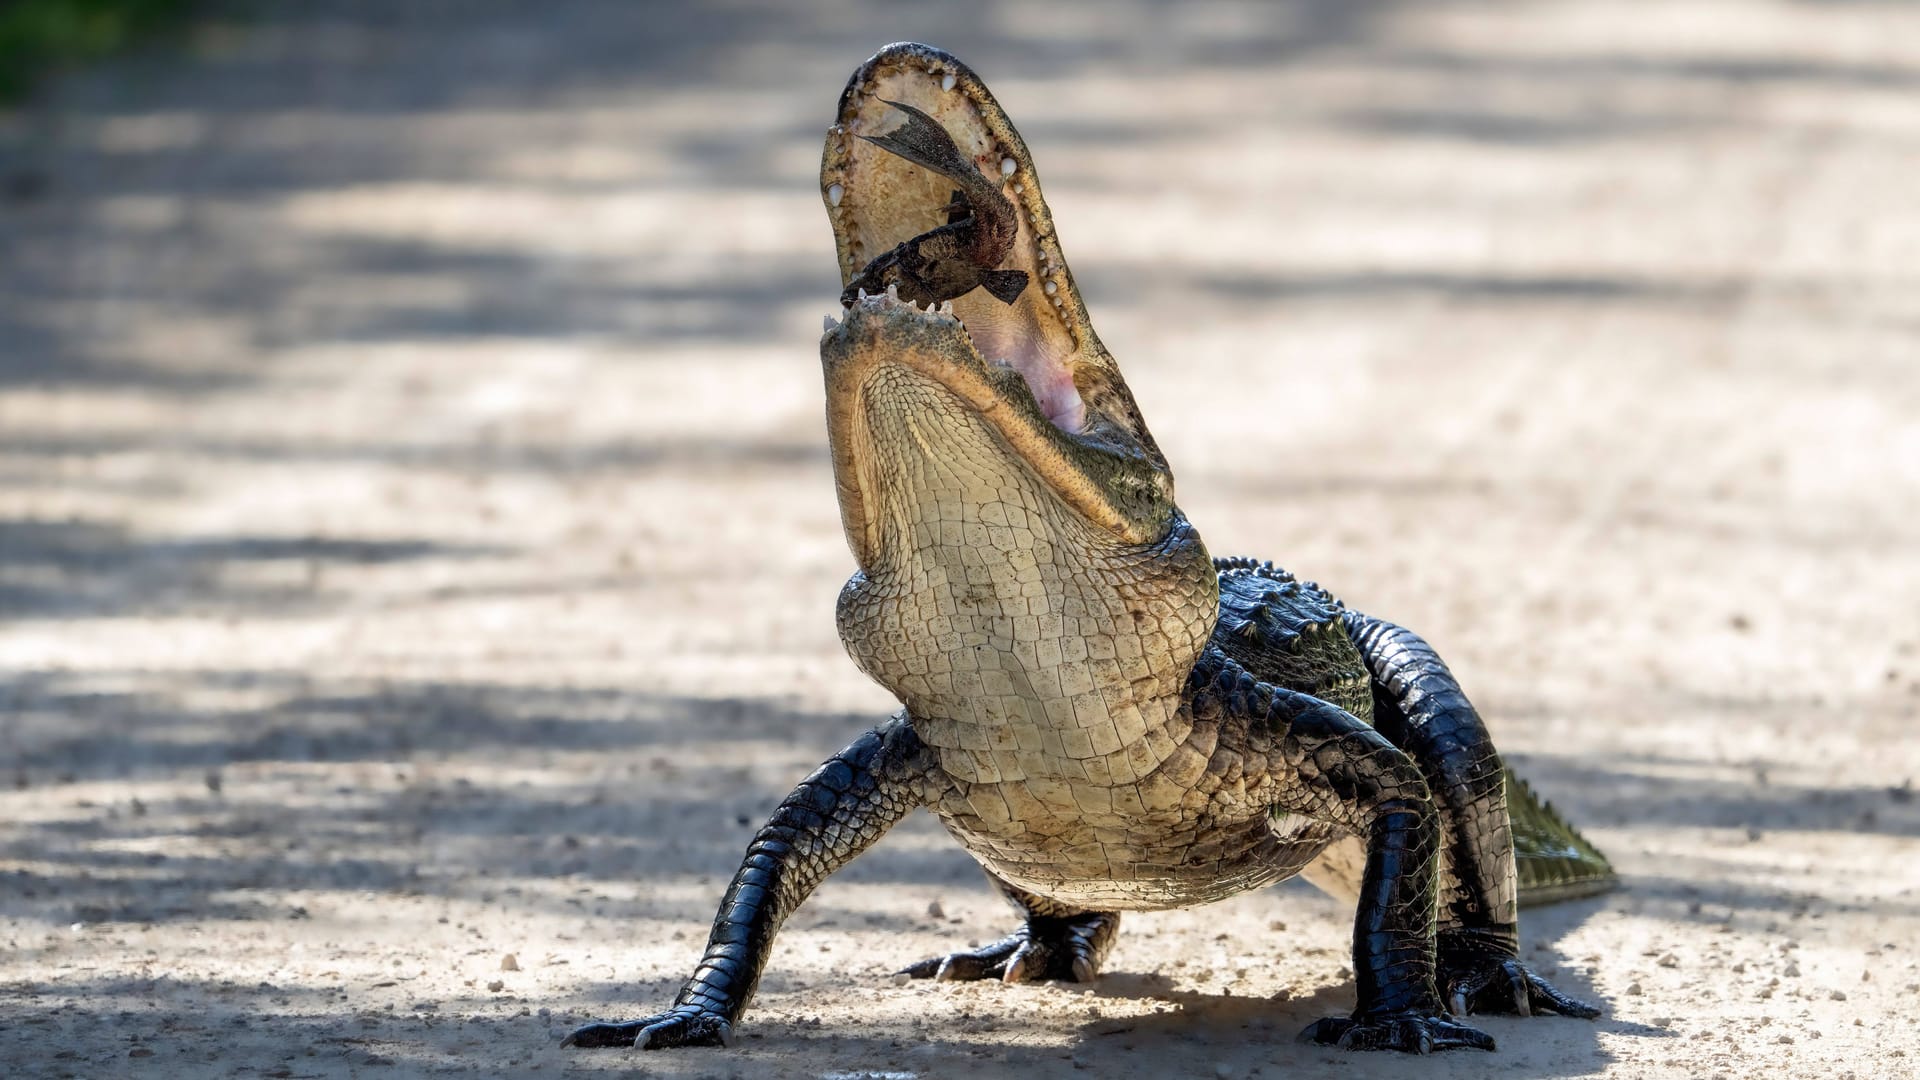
946	81
946	307
828	324
1007	166
863	295
834	191
893	294
1001	362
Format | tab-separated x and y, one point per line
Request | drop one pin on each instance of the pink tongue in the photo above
1050	380
1053	388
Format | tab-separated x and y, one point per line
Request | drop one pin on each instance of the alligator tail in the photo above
1553	860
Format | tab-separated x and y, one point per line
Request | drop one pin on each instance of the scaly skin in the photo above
1106	718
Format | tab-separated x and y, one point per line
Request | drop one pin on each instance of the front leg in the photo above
834	815
1420	708
1328	765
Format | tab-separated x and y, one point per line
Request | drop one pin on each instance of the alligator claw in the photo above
1510	987
1084	970
683	1026
1517	984
1024	964
1409	1033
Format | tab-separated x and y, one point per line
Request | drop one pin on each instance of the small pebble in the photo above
496	986
509	962
1634	990
935	911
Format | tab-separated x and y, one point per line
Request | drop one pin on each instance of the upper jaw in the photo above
1060	401
875	201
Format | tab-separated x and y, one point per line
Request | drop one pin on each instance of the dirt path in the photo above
417	547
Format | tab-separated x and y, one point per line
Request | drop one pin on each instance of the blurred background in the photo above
417	546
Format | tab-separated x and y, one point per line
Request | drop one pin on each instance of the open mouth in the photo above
937	216
881	202
1048	378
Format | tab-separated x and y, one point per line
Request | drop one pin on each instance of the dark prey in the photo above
951	260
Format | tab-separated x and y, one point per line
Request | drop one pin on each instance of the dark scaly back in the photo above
1289	633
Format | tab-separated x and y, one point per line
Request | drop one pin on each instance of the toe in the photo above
1522	992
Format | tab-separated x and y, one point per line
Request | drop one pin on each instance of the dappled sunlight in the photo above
418	546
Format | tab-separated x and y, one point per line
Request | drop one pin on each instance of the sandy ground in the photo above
417	548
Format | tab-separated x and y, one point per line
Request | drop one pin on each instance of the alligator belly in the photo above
1120	869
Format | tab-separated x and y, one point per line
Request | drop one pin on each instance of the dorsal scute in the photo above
1264	604
1289	632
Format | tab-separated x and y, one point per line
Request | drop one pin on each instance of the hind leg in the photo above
1420	708
1055	941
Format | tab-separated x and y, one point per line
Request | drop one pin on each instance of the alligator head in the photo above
1024	571
1019	394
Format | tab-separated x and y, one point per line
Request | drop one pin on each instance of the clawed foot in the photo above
1509	987
683	1026
1068	949
1409	1033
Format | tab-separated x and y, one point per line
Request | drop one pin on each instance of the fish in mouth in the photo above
952	259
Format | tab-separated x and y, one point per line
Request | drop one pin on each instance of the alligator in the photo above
1106	718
